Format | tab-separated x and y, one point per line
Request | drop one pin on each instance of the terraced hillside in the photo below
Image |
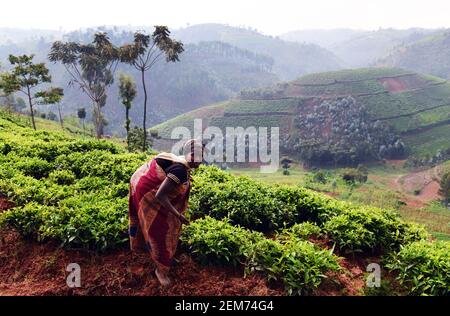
342	117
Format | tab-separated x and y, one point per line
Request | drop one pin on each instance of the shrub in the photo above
423	267
82	221
213	241
352	175
301	231
373	229
63	177
320	177
445	185
34	167
300	265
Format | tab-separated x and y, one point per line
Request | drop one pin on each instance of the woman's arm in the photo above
162	196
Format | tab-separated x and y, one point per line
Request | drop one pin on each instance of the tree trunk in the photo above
31	107
127	126
60	116
145	111
98	120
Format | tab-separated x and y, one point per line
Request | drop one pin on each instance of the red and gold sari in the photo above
150	229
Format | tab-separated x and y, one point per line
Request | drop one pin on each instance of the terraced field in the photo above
415	106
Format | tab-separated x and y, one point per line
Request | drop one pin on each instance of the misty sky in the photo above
270	17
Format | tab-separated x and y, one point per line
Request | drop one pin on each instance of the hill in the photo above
359	48
291	59
429	55
324	38
342	117
207	72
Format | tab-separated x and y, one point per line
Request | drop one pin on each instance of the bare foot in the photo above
163	279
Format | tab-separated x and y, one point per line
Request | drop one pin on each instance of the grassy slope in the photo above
420	110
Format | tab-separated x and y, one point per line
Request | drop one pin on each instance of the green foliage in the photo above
445	185
218	242
371	229
351	175
62	177
320	177
59	193
94	63
423	267
267	208
303	230
299	264
25	77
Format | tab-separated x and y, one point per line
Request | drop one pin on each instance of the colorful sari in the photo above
150	229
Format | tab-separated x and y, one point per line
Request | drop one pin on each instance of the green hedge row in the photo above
268	208
299	264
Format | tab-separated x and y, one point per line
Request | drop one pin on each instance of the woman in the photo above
159	192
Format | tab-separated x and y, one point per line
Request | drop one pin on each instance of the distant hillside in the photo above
342	117
429	55
359	48
15	35
207	72
291	59
325	38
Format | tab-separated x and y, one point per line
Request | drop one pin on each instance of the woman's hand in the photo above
183	220
162	196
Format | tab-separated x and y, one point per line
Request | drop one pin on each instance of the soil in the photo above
420	187
393	85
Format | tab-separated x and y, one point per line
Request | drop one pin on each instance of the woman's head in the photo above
193	152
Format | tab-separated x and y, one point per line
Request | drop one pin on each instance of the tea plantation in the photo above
73	190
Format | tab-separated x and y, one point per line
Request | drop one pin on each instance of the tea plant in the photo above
300	265
423	267
218	242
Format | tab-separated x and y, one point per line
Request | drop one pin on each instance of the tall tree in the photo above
91	67
25	77
145	52
127	92
53	96
82	116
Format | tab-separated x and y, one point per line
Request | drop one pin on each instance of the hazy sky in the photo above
271	17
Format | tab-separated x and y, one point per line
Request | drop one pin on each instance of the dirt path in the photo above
420	187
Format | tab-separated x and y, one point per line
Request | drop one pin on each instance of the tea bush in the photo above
266	208
299	264
373	229
67	189
218	242
301	231
423	267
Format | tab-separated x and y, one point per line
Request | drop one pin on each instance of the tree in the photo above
82	116
92	68
25	77
445	186
286	164
137	138
147	50
127	92
53	96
